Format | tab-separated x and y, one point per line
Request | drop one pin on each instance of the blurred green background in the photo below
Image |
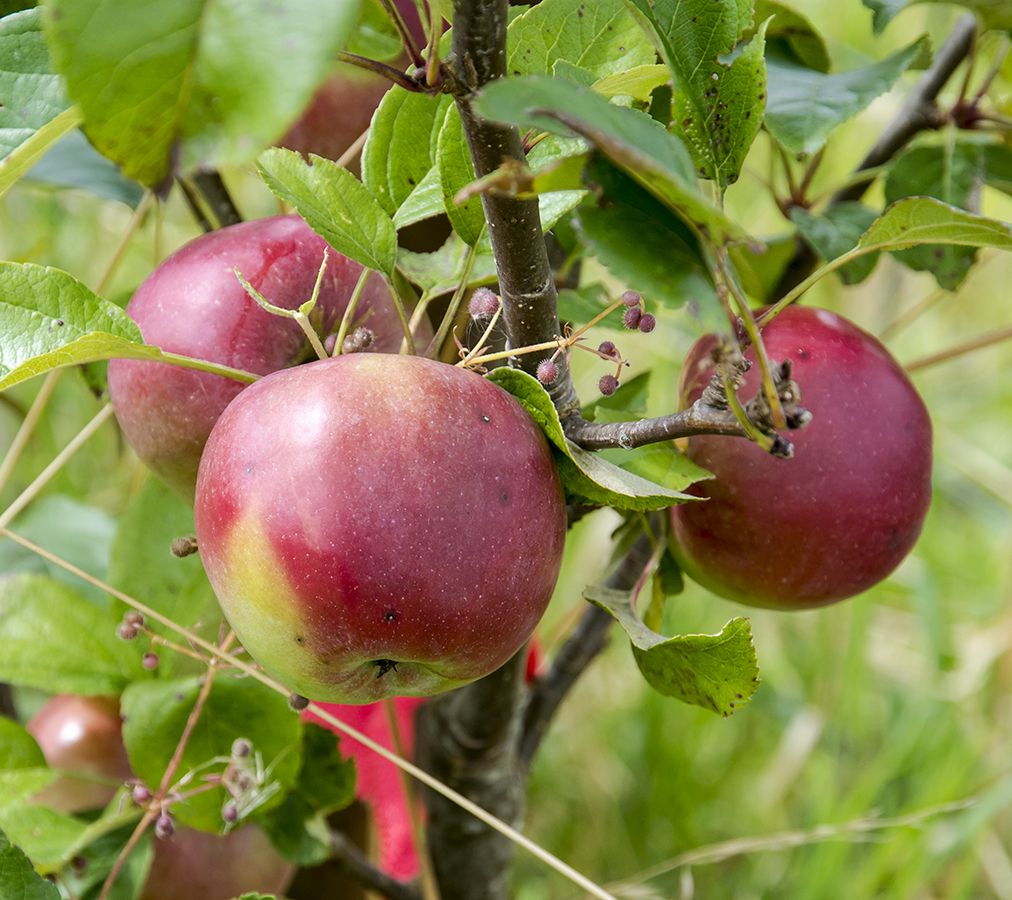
896	705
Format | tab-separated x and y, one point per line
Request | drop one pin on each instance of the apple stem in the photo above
408	345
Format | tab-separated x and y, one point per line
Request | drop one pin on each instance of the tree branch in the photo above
580	649
218	198
356	865
707	415
467	739
919	113
526	281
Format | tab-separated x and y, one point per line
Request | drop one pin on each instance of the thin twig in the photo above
961	349
30	492
388	72
28	424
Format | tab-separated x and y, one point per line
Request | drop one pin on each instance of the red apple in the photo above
80	735
844	512
192	864
377	526
193	304
339	112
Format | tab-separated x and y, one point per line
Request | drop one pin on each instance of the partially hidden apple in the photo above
192	864
378	525
844	512
81	736
194	305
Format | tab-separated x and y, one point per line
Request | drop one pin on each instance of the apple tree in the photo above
409	261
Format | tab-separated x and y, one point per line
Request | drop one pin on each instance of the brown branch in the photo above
919	113
467	739
356	865
580	649
526	281
388	72
707	415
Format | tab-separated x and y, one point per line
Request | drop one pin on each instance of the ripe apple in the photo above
844	512
192	864
80	735
379	525
193	304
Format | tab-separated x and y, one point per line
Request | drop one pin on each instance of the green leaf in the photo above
791	35
34	111
456	171
142	564
374	34
335	204
924	220
659	463
397	154
805	105
98	858
718	672
75	532
998	166
74	163
639	82
600	37
718	101
627	403
585	475
761	265
155	714
18	749
952	172
424	202
580	305
49	319
45	835
18	878
835	232
441	271
628	138
646	246
55	640
992	13
194	82
298	828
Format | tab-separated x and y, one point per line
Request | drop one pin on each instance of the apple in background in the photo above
844	512
81	735
339	111
192	864
193	304
361	519
342	107
84	735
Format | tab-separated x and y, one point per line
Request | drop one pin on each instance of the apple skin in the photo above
377	526
845	511
82	735
192	864
193	304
